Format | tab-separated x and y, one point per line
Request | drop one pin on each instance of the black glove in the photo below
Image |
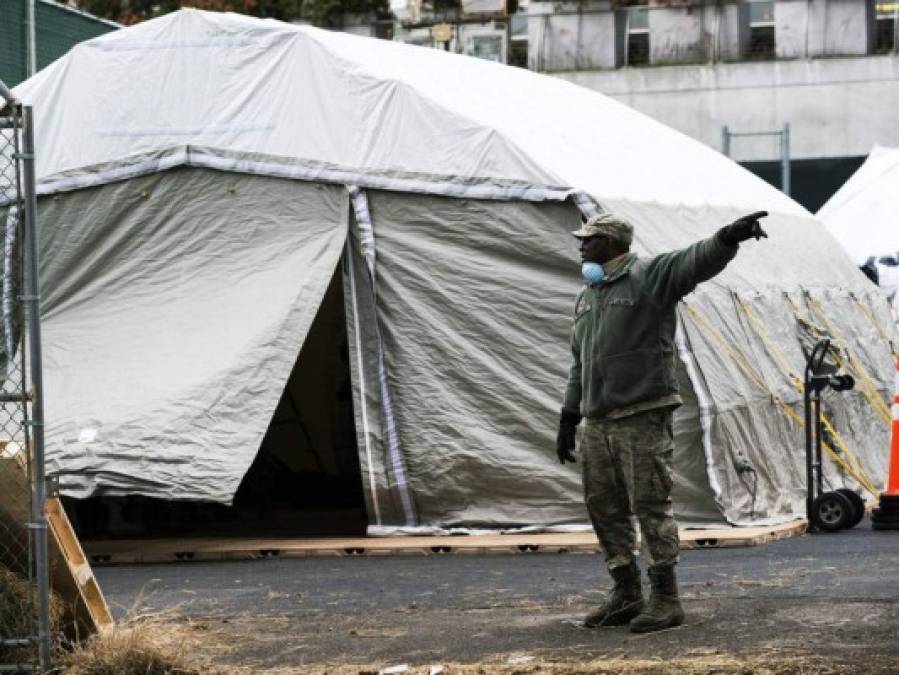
742	229
565	440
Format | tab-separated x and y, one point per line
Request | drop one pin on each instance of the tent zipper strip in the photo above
784	366
366	431
398	468
366	234
755	377
704	401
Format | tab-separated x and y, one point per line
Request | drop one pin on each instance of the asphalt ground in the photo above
832	599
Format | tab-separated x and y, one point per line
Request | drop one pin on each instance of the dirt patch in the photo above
152	647
280	646
517	664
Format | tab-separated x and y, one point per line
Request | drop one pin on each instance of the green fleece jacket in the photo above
622	342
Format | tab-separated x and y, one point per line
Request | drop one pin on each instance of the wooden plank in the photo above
67	551
179	550
71	576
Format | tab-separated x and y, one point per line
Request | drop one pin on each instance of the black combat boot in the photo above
625	601
663	609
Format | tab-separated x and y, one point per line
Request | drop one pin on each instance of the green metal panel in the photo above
13	52
58	30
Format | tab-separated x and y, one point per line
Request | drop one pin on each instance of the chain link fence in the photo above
24	578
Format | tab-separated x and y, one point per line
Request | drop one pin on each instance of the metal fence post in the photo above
32	303
32	37
785	160
25	643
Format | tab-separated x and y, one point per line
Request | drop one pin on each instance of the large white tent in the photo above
863	215
208	181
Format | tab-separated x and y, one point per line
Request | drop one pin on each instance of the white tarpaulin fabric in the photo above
174	308
198	175
233	82
863	215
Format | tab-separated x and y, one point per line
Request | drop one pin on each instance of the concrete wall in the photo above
794	35
847	26
584	36
837	107
723	33
562	38
823	28
676	35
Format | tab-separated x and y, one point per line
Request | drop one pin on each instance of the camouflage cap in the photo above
608	225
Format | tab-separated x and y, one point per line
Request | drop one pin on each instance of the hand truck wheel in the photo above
858	506
831	511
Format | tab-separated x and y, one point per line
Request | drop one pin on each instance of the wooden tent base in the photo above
176	550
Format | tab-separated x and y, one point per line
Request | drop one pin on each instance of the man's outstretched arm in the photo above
673	275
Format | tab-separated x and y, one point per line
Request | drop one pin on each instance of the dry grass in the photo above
15	614
17	602
139	645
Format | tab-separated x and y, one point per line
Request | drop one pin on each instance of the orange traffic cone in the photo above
886	516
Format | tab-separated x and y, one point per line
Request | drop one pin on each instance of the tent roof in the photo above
863	215
236	83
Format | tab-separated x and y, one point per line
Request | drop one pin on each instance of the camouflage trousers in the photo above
627	477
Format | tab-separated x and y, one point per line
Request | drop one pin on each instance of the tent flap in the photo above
175	307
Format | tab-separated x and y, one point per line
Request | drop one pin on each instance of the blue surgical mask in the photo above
593	273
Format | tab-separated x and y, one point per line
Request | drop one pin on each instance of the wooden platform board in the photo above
175	550
71	576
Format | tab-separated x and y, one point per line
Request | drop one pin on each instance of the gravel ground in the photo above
816	603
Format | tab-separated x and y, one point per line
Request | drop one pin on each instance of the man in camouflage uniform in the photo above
623	381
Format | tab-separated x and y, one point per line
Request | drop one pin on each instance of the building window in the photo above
637	36
761	30
518	39
885	32
488	47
